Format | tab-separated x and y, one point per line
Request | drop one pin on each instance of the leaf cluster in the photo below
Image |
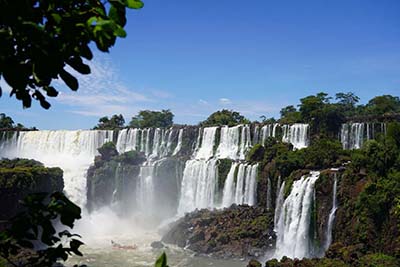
40	39
34	228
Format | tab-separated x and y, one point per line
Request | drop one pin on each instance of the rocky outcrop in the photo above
20	177
237	232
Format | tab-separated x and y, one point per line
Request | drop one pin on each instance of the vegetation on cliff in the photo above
20	177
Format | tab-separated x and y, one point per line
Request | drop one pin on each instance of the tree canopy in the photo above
38	39
150	118
224	117
113	123
7	122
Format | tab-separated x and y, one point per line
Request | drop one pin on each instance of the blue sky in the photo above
196	57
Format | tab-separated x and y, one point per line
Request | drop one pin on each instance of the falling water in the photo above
179	145
278	205
331	219
296	134
73	151
293	237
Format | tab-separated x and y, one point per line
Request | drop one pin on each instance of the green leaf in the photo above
135	4
162	261
78	65
120	32
69	80
56	17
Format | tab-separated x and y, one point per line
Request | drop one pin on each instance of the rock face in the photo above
20	177
237	232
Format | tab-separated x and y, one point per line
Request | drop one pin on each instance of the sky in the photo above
197	57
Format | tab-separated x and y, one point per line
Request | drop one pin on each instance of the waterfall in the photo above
352	135
229	142
331	219
73	151
198	185
293	237
229	187
296	134
179	145
278	205
240	189
206	148
145	188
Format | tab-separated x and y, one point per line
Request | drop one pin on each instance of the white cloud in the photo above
202	102
6	89
225	101
161	94
101	92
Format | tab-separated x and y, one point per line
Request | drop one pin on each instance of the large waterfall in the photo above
73	151
293	228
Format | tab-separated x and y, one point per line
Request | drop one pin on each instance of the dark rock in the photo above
157	244
237	232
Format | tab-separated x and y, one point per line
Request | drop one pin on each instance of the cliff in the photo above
20	177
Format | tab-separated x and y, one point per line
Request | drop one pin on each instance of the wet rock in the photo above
157	244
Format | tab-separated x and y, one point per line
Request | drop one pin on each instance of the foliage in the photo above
384	104
107	151
224	117
34	228
224	165
256	153
132	157
162	261
38	39
7	122
290	115
114	123
149	118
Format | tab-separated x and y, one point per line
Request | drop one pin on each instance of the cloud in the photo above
225	101
202	102
102	92
161	94
6	89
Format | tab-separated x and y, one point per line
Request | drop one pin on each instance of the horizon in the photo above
254	59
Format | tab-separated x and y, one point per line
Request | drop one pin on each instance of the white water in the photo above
278	205
206	149
296	134
331	219
73	151
179	145
293	237
198	185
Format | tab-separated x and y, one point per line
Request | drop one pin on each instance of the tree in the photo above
384	104
38	39
225	117
289	114
149	118
6	122
114	123
347	99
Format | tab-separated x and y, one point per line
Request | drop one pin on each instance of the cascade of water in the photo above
73	151
145	188
198	185
293	237
179	145
296	134
266	131
127	140
206	149
256	134
278	205
229	142
245	141
229	187
331	219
